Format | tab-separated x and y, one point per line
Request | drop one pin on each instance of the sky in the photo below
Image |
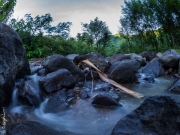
75	11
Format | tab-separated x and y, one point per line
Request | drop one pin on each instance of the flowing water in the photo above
84	119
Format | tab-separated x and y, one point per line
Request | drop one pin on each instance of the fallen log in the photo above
106	79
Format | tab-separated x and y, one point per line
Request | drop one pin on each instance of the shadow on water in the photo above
84	119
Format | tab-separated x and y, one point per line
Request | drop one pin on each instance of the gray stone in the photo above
57	61
157	115
13	62
124	71
56	81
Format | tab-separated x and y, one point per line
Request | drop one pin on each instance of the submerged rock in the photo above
57	61
56	81
13	62
157	115
105	100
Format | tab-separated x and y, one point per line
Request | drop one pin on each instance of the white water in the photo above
84	119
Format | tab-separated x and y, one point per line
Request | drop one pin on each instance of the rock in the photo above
170	59
13	62
30	94
117	57
157	115
175	87
56	81
148	55
138	58
124	71
84	94
153	69
71	56
58	102
92	75
56	61
97	59
105	100
31	128
42	72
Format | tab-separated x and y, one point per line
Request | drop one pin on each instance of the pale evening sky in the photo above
75	11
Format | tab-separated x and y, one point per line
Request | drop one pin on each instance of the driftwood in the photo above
106	79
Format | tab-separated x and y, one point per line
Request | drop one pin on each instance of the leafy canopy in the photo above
6	9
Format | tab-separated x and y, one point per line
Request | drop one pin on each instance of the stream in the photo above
82	118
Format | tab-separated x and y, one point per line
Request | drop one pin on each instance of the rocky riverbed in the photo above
55	95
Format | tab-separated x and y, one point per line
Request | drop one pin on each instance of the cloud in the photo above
74	11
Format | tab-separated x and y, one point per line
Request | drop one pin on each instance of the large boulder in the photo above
124	71
170	59
153	69
13	62
157	115
117	57
97	59
57	61
56	81
31	128
136	57
71	56
148	55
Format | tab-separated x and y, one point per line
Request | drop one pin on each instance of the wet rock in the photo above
56	61
175	87
31	128
92	75
42	72
117	57
71	56
35	68
149	79
56	81
124	71
105	100
170	59
157	115
138	58
13	62
84	94
153	69
30	93
59	101
97	59
148	55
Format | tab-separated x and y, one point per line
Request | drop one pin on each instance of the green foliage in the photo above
6	9
150	24
97	32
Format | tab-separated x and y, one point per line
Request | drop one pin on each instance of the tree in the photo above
6	9
63	29
155	23
98	31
